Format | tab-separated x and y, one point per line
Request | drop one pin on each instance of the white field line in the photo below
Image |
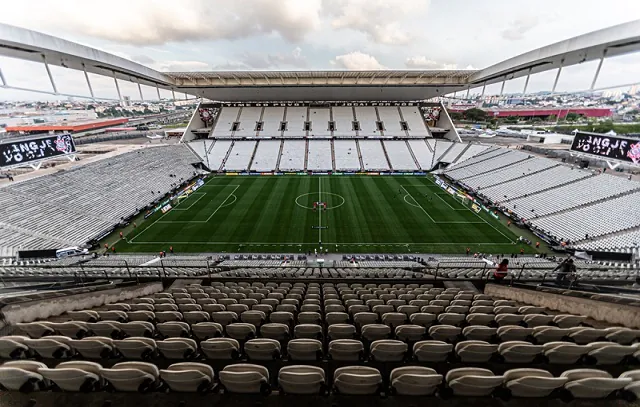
419	206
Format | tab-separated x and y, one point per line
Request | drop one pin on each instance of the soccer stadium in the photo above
321	237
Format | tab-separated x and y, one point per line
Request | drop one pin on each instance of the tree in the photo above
456	116
512	119
572	117
476	115
552	118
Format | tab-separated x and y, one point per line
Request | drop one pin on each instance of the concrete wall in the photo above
42	309
616	314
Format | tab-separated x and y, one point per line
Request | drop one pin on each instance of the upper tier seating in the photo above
94	197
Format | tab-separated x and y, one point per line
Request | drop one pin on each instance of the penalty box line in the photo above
212	214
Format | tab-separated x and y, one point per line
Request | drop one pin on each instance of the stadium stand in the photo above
77	205
266	156
399	155
439	148
415	122
346	153
272	119
390	118
319	157
240	156
224	123
293	156
249	117
423	153
216	155
474	149
509	173
319	118
373	156
296	118
453	153
367	117
336	339
343	118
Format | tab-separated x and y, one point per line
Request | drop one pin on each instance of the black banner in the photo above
602	145
23	151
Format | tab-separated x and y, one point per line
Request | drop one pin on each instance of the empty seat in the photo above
241	331
388	350
311	331
281	317
373	332
188	377
177	348
475	351
532	382
508	319
410	333
414	381
275	331
221	348
132	376
138	328
173	329
533	320
432	351
423	319
304	349
479	333
299	379
51	347
519	351
446	333
472	382
592	383
94	347
22	375
362	318
207	330
608	353
480	318
341	331
110	329
147	316
357	380
262	349
245	378
85	315
224	317
568	321
346	350
193	317
36	329
136	348
584	335
513	333
74	376
13	347
119	316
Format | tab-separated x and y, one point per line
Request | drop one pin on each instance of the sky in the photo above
197	35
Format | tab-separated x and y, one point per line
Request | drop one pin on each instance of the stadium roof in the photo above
326	85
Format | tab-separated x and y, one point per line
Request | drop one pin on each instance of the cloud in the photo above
258	60
519	27
180	66
161	22
382	21
422	62
142	59
357	61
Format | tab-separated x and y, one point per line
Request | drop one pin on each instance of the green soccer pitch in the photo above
364	214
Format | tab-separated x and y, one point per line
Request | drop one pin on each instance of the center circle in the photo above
340	197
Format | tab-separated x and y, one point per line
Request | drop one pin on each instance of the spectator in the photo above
566	271
501	271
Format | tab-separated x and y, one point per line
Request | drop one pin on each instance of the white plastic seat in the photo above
84	316
173	329
168	316
479	333
138	328
410	333
532	382
22	375
74	376
423	319
341	331
207	330
362	318
310	331
547	334
519	351
51	347
346	350
448	318
110	329
309	318
446	333
72	329
621	335
609	353
118	316
513	333
568	321
13	347
563	353
136	347
533	320
220	348
177	348
301	379
245	378
388	350
304	349
508	319
481	309
36	330
432	351
480	319
94	347
584	335
475	351
275	331
241	331
374	332
357	380
224	317
472	382
262	349
592	383
141	315
414	381
281	317
193	317
188	377
530	309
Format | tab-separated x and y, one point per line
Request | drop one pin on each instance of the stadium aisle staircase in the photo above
226	156
386	155
306	153
333	155
253	155
413	155
360	156
280	155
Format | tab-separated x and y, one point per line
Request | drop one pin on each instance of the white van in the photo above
71	251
